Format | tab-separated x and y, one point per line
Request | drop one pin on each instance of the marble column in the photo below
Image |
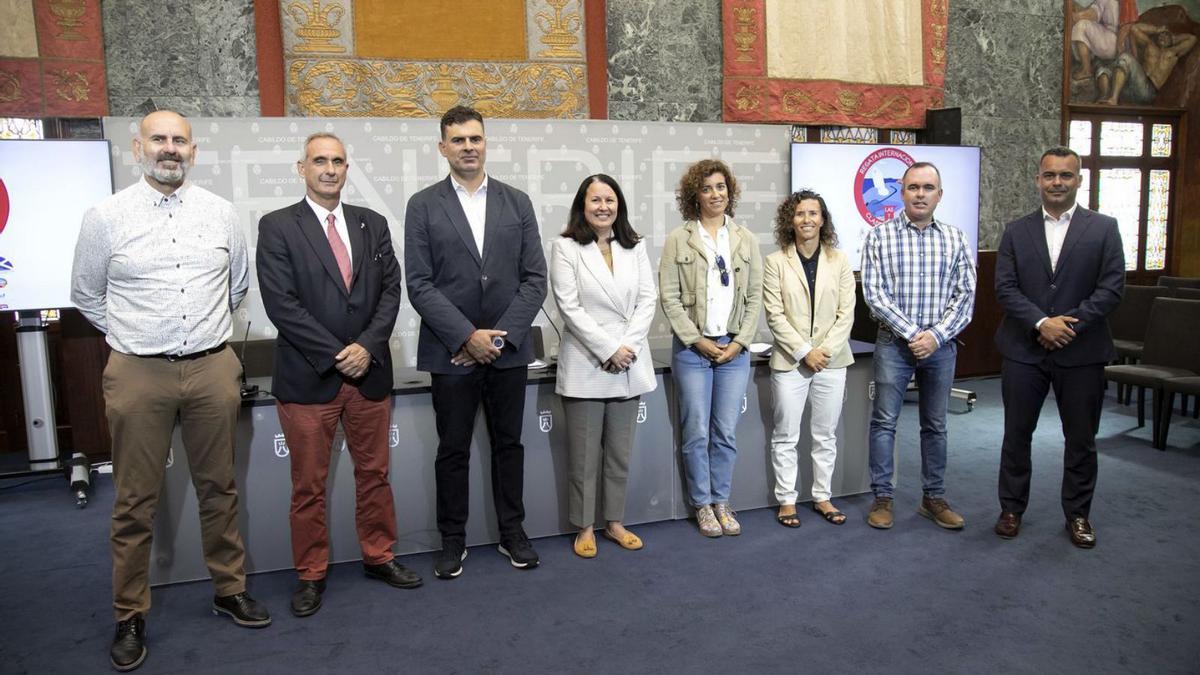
193	56
664	60
1004	69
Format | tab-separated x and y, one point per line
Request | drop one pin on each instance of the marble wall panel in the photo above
1004	69
664	60
195	54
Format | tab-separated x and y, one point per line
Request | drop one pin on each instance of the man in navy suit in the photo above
331	284
477	277
1060	271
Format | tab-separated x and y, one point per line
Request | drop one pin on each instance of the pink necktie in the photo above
339	249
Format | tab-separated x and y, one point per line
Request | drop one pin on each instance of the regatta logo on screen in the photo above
3	205
877	189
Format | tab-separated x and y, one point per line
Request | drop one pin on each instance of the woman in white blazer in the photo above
808	295
604	286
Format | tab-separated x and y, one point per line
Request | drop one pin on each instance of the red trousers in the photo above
309	429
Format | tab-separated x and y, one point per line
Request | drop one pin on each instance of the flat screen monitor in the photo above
861	186
45	188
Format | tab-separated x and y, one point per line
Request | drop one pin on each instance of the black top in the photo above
810	271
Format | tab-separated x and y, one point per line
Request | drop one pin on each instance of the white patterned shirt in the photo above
160	274
915	280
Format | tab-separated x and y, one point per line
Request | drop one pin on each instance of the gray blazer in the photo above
457	289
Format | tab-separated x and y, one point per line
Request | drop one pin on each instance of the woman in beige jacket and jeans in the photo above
710	287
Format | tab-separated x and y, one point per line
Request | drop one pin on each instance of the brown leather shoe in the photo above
880	516
937	510
1082	534
1008	525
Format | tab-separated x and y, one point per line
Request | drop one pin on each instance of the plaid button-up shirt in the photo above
915	280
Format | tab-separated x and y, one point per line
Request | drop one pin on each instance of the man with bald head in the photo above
159	268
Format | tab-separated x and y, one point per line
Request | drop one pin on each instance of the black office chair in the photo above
1128	326
1188	386
1169	353
1179	282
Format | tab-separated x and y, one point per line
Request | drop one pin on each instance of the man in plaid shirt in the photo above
919	281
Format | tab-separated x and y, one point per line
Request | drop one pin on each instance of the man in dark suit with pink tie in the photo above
331	284
1059	273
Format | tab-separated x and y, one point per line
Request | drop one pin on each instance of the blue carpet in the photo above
821	598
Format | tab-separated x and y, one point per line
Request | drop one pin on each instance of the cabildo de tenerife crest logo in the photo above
170	457
877	189
393	436
641	416
281	448
545	421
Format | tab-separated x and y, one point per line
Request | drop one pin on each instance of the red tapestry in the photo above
751	95
66	78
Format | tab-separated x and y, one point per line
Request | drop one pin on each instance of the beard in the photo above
174	176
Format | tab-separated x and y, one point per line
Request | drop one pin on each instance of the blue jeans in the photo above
894	367
710	402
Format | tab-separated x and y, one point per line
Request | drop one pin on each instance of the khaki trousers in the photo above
143	397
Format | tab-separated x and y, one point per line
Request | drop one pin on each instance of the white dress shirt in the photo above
475	206
720	298
1056	232
339	223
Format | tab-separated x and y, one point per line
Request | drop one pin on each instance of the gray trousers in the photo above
599	443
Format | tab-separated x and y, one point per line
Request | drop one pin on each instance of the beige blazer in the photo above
785	299
683	282
602	310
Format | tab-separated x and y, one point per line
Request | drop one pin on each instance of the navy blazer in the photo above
457	289
1087	284
303	293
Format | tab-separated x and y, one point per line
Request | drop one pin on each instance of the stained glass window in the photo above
1081	137
20	127
903	137
1084	196
1160	140
1121	198
849	135
1121	139
1156	219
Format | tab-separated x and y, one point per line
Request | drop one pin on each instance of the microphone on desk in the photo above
248	390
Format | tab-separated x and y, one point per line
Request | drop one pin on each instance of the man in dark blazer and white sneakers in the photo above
477	277
1059	273
331	284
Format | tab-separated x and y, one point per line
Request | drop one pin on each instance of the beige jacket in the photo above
683	282
789	312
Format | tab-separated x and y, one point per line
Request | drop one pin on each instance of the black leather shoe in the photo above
1008	525
394	574
242	609
129	644
1082	534
306	599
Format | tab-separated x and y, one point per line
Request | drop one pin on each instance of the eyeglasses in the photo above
723	270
